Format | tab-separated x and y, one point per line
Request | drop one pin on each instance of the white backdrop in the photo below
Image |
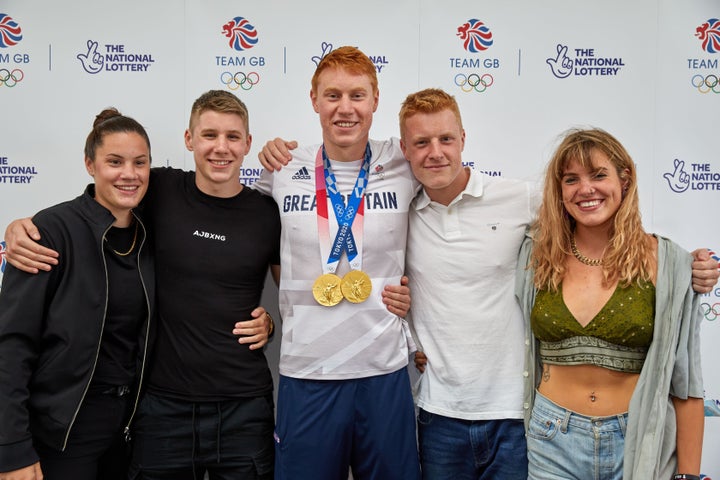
531	70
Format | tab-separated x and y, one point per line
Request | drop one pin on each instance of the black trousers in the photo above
95	449
181	440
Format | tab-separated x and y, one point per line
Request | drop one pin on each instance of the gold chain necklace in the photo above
132	247
593	262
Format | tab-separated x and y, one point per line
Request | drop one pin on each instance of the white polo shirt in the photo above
461	260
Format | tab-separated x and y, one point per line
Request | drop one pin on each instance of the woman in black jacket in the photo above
73	341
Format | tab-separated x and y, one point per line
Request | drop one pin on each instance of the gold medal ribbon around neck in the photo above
593	262
355	286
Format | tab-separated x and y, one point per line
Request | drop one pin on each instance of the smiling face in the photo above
592	195
219	142
121	169
345	103
433	144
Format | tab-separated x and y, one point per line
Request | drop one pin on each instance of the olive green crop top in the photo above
617	338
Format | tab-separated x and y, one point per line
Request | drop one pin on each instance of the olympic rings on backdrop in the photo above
706	84
240	80
10	79
710	312
473	81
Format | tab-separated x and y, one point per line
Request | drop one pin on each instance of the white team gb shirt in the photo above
346	340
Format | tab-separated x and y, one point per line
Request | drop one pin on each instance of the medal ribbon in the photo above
349	217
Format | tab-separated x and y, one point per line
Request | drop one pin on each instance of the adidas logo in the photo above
301	174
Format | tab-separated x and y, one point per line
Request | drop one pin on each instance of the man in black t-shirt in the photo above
208	405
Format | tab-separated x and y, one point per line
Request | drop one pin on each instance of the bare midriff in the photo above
588	389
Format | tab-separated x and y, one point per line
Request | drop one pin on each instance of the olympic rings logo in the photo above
478	83
710	312
10	79
709	83
240	80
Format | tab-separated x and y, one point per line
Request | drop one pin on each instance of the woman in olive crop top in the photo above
594	315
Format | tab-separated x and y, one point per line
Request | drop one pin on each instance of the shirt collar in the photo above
474	188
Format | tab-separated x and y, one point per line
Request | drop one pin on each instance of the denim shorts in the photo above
566	445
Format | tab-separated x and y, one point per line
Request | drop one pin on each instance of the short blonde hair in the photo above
430	100
219	101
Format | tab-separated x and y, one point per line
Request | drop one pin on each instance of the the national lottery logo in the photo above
112	57
475	35
582	62
10	31
694	176
325	48
241	34
248	176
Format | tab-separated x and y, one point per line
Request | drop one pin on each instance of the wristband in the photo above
686	476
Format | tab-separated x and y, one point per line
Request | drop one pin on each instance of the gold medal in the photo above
326	290
356	286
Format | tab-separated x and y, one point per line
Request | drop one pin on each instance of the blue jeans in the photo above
456	449
565	445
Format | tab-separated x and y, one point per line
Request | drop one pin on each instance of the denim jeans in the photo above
456	449
565	445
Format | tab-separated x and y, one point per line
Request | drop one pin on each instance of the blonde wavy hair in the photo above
629	255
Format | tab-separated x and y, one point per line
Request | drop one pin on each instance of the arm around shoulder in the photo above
23	250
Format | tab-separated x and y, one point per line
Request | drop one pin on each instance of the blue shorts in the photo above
563	444
326	427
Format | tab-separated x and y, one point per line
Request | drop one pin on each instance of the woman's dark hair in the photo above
108	121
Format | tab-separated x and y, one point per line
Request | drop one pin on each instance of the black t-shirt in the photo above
211	256
126	309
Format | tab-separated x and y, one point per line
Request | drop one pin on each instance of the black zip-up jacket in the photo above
51	324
